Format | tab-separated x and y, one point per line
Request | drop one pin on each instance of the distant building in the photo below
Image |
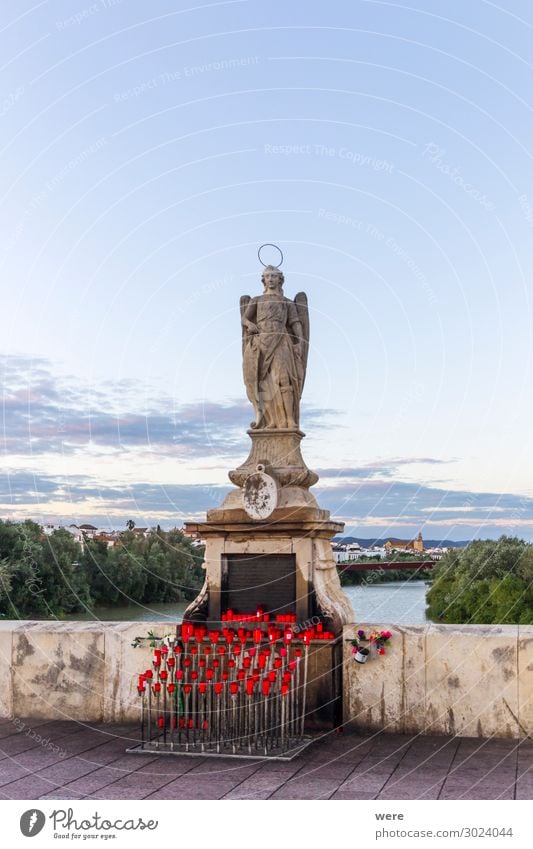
415	546
141	532
88	531
436	553
110	539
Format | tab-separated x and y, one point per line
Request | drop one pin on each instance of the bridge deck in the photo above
71	760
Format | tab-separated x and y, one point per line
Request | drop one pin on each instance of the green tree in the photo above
487	582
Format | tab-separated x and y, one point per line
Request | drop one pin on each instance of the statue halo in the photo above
270	245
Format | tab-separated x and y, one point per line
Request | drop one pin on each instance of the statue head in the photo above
272	279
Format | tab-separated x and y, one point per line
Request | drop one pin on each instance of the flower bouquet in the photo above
377	639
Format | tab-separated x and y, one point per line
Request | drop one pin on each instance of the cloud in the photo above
385	505
43	413
378	469
381	507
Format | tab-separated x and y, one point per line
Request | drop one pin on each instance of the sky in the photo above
148	150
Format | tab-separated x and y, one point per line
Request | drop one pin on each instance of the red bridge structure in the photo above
357	566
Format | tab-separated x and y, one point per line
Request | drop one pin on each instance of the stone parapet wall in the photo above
469	680
84	671
466	680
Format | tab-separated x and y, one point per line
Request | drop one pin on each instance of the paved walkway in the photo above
67	760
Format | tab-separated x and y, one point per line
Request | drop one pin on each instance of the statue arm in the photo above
296	325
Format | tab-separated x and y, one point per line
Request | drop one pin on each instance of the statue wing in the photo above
302	309
245	300
250	358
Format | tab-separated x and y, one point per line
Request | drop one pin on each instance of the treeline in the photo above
488	582
48	576
383	576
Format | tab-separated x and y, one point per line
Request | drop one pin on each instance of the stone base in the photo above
295	506
161	748
278	450
318	589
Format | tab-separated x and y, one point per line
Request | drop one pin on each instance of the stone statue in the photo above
275	344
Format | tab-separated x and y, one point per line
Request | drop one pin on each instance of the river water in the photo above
396	602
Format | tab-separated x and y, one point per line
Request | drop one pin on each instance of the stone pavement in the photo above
69	760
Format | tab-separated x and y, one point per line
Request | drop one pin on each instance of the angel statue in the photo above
275	344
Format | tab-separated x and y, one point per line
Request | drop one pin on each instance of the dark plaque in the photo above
259	580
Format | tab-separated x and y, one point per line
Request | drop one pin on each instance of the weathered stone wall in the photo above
470	680
86	671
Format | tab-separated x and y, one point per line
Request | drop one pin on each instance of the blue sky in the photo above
148	149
